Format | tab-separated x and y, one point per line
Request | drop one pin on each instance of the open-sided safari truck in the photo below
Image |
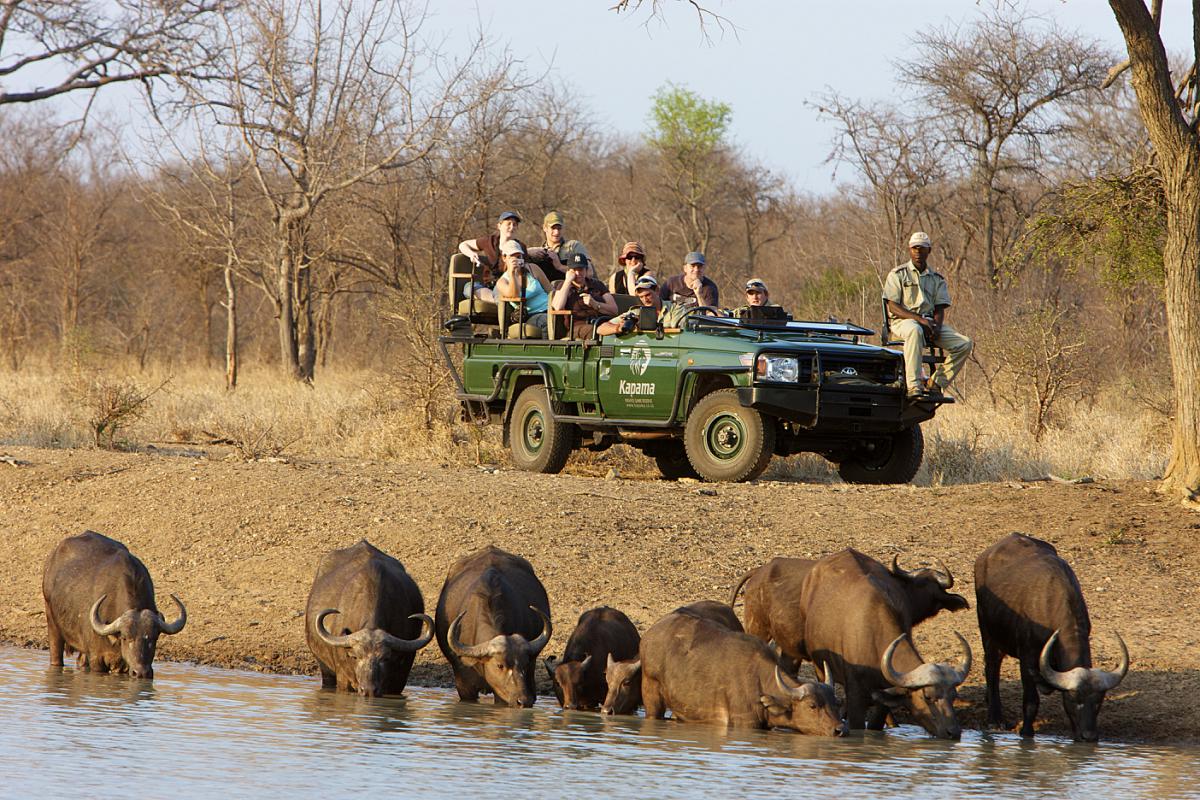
715	398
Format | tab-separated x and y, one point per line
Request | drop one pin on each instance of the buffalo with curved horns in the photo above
602	635
379	620
1031	607
100	604
858	623
492	621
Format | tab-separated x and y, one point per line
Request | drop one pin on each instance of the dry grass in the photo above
360	414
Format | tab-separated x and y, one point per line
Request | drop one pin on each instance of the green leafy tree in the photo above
688	134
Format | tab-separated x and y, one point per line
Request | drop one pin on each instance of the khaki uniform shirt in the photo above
918	292
670	315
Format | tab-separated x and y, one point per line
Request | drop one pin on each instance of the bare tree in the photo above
994	88
58	47
1172	115
324	96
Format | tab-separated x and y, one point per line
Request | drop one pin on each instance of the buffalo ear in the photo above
548	663
893	697
773	704
955	602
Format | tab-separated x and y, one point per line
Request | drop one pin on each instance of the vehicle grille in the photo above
850	369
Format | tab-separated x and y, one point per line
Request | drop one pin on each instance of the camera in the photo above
628	324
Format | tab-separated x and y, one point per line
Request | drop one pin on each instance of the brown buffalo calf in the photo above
601	635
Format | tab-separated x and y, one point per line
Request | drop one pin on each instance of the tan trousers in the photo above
957	348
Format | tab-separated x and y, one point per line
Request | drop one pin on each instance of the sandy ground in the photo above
239	543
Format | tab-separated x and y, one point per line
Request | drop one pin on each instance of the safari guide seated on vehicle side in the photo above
583	294
917	299
646	290
691	287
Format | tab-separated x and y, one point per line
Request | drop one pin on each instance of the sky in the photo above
784	54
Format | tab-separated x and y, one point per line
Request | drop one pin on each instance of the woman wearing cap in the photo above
633	266
485	250
515	282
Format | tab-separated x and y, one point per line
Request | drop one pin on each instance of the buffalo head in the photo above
568	678
928	589
372	650
927	691
505	661
624	686
1083	689
137	631
810	708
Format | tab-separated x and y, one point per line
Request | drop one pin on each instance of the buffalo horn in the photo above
587	662
1059	680
889	672
172	628
783	687
945	577
411	645
324	635
896	570
110	629
828	676
544	637
467	651
1109	680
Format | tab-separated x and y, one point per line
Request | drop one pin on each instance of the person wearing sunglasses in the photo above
632	266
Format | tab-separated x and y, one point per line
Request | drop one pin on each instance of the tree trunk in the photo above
286	316
1177	146
306	356
231	331
1181	257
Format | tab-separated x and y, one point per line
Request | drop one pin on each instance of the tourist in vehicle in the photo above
757	296
917	299
485	250
646	289
556	250
515	282
482	288
691	288
586	297
632	266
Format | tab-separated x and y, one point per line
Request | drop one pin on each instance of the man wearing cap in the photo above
757	296
917	299
556	251
633	266
646	290
586	297
691	288
485	251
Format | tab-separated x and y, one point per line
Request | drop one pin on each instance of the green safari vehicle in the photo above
715	398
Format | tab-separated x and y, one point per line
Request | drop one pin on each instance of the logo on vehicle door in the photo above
639	360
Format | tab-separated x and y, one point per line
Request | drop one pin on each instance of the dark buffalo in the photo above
494	601
602	635
703	671
773	611
1030	607
858	622
624	678
378	621
91	578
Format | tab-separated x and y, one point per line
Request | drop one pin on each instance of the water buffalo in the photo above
703	671
858	622
1030	607
624	678
91	578
493	599
378	624
773	611
602	635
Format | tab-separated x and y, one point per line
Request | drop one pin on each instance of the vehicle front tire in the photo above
725	441
539	442
895	464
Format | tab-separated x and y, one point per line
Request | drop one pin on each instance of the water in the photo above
198	732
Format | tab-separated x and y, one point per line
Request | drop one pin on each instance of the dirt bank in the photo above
239	542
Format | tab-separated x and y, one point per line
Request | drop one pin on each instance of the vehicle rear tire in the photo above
672	461
895	464
539	442
725	441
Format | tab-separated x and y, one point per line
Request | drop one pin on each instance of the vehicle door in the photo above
638	376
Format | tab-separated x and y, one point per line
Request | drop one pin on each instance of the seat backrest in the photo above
625	302
460	275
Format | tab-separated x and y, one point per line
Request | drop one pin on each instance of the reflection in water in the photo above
200	732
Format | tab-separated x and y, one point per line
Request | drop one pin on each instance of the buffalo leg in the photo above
992	657
856	706
328	678
466	688
56	639
1029	699
652	699
876	717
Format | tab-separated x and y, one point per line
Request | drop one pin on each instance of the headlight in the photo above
778	368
